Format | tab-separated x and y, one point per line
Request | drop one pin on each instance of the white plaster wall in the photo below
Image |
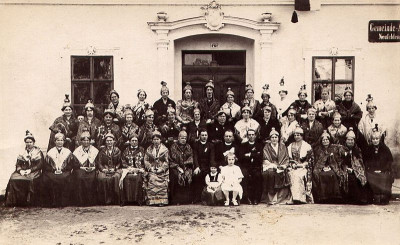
37	40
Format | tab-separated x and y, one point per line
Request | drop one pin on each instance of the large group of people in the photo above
206	152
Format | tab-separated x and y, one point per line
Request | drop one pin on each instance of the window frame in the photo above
333	81
92	80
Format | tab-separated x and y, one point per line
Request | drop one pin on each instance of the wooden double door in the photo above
226	68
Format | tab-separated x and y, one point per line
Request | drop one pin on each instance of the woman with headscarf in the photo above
301	105
157	167
128	129
249	100
181	170
57	173
84	173
67	124
23	188
90	122
116	108
107	126
161	106
369	122
337	130
131	182
325	108
353	162
378	161
108	163
186	106
329	173
276	182
301	161
349	110
231	109
147	129
140	108
265	96
246	123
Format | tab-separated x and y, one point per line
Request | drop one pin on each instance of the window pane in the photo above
81	92
198	59
101	92
323	69
80	68
318	89
102	67
339	89
344	69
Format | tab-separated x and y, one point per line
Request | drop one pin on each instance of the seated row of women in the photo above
158	175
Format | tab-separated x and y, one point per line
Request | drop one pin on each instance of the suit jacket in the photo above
222	148
204	156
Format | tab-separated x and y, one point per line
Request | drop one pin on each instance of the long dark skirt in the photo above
56	189
357	193
179	194
133	189
108	188
23	190
326	187
381	186
276	189
84	188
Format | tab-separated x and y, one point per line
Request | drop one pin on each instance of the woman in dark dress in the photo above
353	162
329	174
66	124
57	174
378	163
108	164
131	182
267	122
24	185
265	96
128	130
84	173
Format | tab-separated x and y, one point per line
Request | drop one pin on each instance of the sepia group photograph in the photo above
199	122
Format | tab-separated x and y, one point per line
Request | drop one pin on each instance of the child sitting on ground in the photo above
231	178
212	193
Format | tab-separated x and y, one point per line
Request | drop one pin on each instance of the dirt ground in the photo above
196	224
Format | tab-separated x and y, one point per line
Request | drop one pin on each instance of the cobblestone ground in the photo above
196	224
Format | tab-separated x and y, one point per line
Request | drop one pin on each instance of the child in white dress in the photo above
231	178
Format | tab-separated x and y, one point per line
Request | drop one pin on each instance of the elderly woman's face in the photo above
274	139
325	141
134	142
29	143
297	137
85	142
142	96
109	142
350	142
337	121
324	95
114	98
129	118
108	119
311	116
188	94
375	140
68	111
182	138
59	142
230	99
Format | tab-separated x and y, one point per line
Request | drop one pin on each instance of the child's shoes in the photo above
226	203
235	203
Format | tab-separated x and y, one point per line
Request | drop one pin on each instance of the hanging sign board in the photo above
384	31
